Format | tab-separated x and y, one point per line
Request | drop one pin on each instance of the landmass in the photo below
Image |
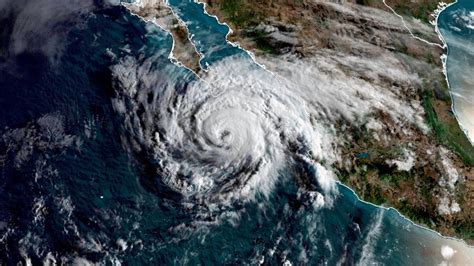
161	14
399	144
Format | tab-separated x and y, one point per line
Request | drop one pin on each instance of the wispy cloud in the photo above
41	25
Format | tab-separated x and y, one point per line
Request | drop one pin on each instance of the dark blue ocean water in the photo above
72	192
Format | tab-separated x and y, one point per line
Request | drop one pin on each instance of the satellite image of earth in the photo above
236	132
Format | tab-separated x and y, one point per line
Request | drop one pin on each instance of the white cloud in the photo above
373	233
447	206
41	25
232	130
331	92
405	163
447	252
464	18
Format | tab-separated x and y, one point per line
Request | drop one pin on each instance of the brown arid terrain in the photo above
159	13
383	90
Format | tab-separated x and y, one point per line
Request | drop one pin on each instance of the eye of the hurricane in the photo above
221	134
227	137
230	146
233	133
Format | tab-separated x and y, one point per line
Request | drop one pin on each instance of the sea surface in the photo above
456	24
79	182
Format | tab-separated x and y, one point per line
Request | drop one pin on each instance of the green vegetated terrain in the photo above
412	192
420	9
446	127
239	13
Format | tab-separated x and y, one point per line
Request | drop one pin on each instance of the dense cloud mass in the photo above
228	136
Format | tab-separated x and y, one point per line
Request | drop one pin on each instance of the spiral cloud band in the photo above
227	136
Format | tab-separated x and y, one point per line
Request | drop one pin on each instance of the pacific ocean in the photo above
77	186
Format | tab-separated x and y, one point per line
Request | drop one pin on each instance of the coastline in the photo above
441	8
408	29
445	70
173	59
353	191
462	241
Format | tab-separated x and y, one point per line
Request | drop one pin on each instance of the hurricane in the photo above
146	133
226	136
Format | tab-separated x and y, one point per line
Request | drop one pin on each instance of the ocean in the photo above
456	25
83	182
